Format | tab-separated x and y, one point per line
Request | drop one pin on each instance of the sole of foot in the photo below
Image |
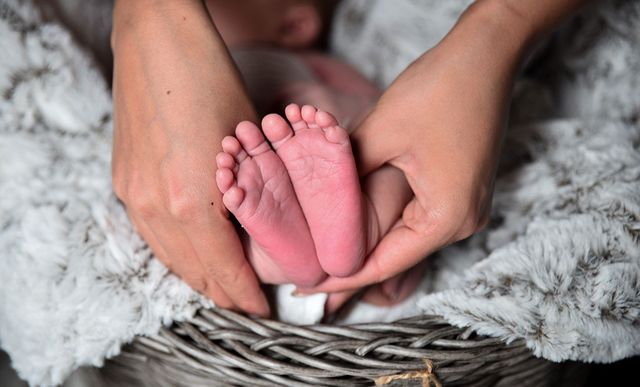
318	157
257	190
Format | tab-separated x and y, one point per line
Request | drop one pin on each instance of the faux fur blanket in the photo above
559	266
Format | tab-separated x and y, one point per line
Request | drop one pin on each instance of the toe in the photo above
276	129
294	115
309	115
251	138
224	179
336	135
232	146
233	198
225	160
325	120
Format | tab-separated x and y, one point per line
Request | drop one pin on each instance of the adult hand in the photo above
441	123
176	95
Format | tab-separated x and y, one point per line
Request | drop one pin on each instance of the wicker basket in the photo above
220	347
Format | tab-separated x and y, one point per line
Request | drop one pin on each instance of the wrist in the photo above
503	32
500	28
529	20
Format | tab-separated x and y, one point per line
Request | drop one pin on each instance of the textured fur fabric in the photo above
559	265
76	282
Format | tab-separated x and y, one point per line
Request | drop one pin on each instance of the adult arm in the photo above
442	122
176	94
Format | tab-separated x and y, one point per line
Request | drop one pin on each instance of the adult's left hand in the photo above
441	123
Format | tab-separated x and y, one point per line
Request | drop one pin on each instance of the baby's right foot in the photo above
318	157
257	190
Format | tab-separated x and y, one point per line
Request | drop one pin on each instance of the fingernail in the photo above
392	291
262	312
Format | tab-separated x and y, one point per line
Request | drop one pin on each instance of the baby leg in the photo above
386	193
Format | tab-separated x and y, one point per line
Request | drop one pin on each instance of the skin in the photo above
450	145
292	24
174	111
176	95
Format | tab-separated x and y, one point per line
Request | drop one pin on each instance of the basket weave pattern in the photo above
228	348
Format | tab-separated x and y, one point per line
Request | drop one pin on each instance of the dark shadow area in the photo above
621	374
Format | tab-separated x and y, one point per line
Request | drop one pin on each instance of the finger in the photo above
335	301
399	250
218	296
220	252
395	289
150	238
182	260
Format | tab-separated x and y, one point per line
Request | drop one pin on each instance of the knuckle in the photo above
182	202
182	207
137	194
440	219
142	202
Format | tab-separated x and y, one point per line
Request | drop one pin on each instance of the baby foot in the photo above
318	157
257	190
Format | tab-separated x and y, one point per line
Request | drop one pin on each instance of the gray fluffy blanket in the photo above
559	266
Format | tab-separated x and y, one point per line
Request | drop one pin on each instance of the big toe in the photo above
276	129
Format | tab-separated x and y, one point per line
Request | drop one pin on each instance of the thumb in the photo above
335	301
399	250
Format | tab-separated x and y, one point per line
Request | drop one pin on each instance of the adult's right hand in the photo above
176	95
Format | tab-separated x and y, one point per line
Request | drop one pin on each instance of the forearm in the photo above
172	54
484	53
511	28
